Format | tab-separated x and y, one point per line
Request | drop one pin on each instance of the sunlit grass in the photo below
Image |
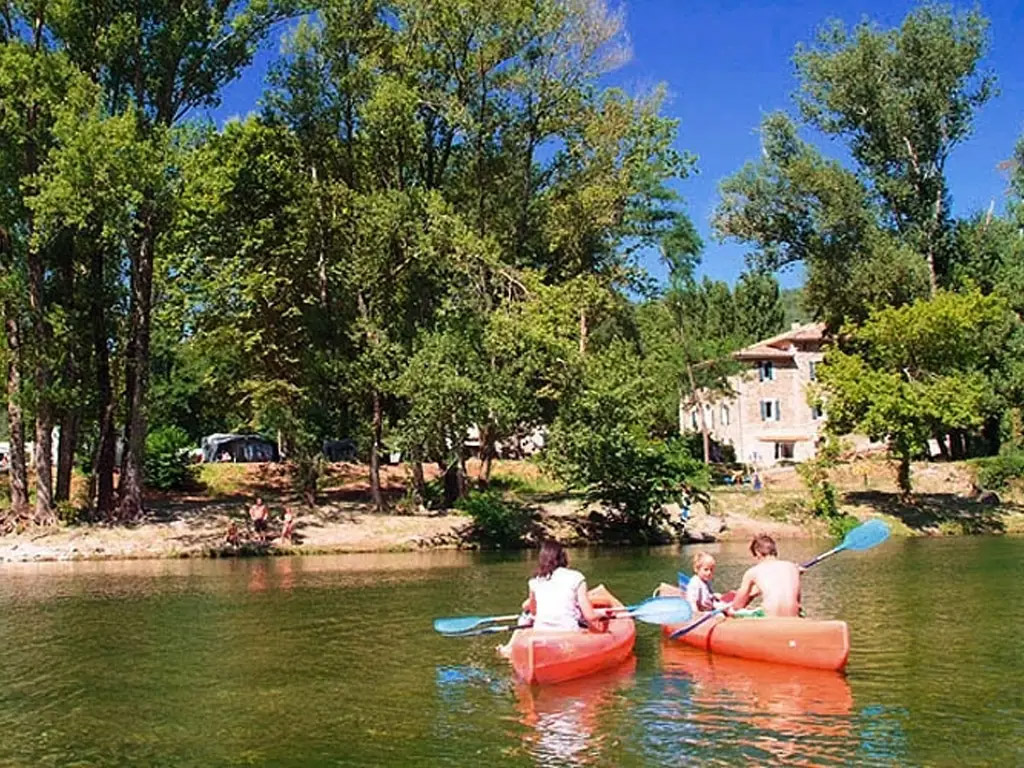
224	479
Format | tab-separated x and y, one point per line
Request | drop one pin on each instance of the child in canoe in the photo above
698	589
558	595
777	581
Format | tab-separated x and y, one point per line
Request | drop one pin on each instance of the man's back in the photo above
779	584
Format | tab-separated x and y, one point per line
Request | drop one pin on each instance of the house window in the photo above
693	418
725	415
770	410
814	370
709	415
783	451
817	412
766	370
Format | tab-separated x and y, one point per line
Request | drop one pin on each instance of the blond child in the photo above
698	589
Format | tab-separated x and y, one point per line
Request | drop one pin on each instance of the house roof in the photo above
780	347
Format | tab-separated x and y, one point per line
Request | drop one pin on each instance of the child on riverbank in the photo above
559	597
698	589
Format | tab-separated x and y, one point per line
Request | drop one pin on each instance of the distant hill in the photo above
793	306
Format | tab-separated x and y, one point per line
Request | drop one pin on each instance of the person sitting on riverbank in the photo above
559	598
232	537
259	514
288	528
777	581
698	589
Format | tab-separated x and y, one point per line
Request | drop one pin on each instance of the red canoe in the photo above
800	642
545	656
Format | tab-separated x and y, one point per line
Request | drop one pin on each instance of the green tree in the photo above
903	99
912	372
759	308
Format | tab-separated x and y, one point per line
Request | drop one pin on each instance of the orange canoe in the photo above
544	656
800	642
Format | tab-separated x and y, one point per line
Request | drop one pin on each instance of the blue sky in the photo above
727	63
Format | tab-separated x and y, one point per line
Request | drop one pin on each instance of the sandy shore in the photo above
196	527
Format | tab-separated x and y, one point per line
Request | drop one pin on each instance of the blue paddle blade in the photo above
663	610
866	535
682	580
463	623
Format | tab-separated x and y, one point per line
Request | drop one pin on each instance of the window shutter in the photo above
778	411
763	415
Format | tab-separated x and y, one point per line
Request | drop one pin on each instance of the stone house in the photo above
767	418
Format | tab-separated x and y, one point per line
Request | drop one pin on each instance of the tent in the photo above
241	448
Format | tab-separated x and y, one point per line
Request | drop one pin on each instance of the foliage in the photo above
815	475
168	465
911	372
497	521
603	444
996	472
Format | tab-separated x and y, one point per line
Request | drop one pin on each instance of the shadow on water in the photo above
932	510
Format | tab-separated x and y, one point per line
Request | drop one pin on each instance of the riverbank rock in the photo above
704	528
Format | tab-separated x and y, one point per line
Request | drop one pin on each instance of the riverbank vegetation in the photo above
432	225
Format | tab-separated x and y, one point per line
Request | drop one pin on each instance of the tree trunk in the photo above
132	479
103	463
682	413
375	449
419	484
66	455
487	453
583	331
700	410
18	471
450	475
43	453
990	433
957	449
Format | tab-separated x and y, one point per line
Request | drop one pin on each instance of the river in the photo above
331	660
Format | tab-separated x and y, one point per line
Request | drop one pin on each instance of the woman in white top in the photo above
558	595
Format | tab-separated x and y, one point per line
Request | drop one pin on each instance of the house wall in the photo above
752	436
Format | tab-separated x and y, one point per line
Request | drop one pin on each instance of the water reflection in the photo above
567	723
768	713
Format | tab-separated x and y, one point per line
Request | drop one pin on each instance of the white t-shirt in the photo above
699	594
555	599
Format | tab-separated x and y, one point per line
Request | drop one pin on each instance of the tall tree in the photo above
167	58
903	99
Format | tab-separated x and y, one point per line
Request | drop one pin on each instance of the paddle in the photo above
864	536
466	623
654	610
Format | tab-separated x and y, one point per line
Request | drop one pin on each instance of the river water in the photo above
332	661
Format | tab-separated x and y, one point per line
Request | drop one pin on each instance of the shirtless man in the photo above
259	514
777	581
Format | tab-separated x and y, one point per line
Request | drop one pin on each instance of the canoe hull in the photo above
542	657
798	642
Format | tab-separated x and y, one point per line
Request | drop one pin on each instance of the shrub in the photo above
996	472
633	474
167	461
498	521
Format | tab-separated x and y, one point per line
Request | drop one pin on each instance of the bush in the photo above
995	472
634	475
167	460
842	524
497	521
